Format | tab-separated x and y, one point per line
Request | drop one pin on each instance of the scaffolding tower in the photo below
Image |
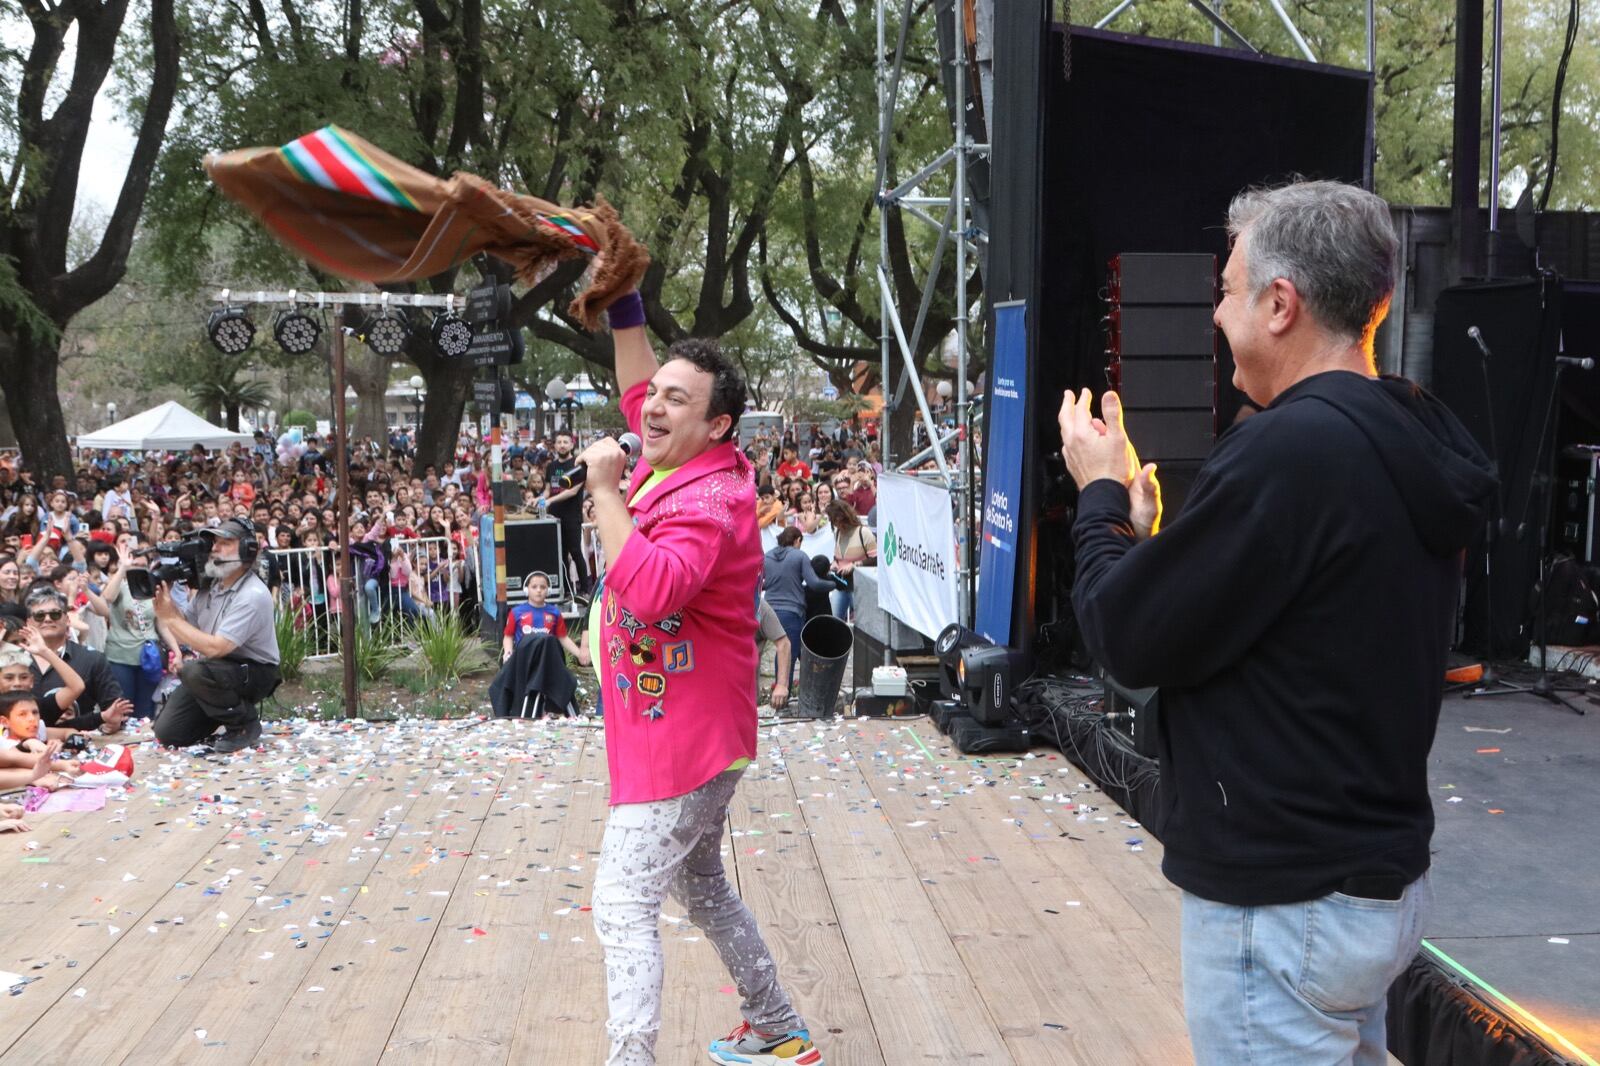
897	345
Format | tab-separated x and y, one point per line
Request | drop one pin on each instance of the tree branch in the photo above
105	268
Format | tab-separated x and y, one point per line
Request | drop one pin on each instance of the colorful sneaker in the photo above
745	1045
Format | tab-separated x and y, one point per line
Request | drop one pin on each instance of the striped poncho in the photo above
358	212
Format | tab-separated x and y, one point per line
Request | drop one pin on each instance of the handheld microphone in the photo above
1477	338
579	474
1572	361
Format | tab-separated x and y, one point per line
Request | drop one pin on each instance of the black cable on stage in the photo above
1555	104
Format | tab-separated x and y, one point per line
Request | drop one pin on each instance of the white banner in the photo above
917	573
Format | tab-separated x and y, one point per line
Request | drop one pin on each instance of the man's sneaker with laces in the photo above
746	1045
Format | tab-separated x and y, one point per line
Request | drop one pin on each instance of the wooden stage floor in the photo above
418	893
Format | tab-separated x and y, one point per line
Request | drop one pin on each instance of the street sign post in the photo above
496	347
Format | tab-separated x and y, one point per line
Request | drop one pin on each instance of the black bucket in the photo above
824	654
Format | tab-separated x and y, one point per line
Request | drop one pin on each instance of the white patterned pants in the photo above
675	845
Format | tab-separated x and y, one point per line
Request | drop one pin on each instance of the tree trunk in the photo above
368	374
449	389
233	417
34	404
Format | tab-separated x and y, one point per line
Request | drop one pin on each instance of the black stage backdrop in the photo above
1140	150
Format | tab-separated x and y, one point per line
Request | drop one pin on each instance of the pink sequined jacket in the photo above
678	621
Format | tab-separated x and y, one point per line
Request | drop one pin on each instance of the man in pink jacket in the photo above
678	663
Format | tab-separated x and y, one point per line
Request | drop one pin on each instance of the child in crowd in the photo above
24	758
536	617
17	672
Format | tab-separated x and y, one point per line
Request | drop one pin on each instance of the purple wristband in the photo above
627	312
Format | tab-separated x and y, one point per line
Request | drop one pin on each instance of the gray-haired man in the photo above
230	624
1296	616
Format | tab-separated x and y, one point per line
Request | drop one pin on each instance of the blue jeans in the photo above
136	686
370	587
792	624
400	599
842	601
1296	984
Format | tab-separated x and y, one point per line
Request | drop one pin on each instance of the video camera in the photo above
191	554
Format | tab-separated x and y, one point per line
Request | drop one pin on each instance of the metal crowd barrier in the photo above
304	586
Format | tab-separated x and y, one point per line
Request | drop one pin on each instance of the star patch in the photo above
671	623
651	685
678	657
643	653
630	623
654	711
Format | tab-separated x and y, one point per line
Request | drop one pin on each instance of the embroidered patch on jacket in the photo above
678	657
671	623
643	653
630	623
651	684
654	711
615	647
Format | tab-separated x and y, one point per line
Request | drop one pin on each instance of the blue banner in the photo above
488	580
1003	433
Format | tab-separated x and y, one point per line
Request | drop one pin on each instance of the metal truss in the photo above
897	345
1212	13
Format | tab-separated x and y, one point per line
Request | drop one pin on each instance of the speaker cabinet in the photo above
534	544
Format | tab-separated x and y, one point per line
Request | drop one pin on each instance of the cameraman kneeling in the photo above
229	623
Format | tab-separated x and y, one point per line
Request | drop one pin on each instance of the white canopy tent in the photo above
169	427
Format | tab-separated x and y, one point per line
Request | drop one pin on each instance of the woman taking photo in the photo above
131	628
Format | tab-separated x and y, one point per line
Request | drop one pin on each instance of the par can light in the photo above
452	335
386	333
230	330
295	331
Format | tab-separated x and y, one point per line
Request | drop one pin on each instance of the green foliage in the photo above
376	650
445	646
295	644
17	306
300	417
1415	85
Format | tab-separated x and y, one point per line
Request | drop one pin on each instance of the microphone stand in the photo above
1490	678
1542	687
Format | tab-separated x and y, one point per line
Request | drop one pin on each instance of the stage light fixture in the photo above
231	330
985	674
295	331
452	335
947	647
386	333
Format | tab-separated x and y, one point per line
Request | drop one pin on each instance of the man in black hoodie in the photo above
1296	616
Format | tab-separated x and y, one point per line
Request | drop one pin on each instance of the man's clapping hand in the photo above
1096	448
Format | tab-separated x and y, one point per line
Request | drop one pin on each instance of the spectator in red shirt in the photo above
792	465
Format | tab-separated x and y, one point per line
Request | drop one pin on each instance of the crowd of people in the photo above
66	543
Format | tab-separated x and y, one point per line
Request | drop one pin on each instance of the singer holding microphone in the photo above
1296	616
677	665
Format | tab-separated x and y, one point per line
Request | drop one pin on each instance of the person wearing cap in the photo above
229	622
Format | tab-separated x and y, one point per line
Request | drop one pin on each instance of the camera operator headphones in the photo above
244	531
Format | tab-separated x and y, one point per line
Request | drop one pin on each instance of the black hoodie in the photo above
1296	617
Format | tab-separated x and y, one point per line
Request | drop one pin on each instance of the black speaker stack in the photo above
1161	358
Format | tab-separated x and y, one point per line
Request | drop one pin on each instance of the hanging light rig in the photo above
387	331
229	328
296	332
452	335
